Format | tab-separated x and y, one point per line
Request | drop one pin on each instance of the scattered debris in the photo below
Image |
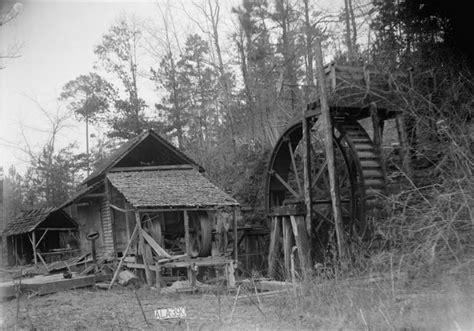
126	278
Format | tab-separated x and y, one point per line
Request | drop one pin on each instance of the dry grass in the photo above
377	302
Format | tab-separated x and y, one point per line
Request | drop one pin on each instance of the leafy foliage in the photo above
118	55
52	177
89	96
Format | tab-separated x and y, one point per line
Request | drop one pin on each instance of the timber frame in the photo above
39	236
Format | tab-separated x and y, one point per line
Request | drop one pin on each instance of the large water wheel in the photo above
359	174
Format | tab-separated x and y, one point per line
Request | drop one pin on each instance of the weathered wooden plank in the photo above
62	284
274	246
48	284
307	171
157	248
302	242
34	247
288	242
187	238
57	229
162	167
286	185
141	247
329	147
236	242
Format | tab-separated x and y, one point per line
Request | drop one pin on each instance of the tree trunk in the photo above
213	18
309	52
347	19
354	27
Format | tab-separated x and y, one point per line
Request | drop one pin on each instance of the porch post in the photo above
236	239
127	221
34	247
141	247
187	238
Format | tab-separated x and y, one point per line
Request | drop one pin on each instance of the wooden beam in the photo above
127	220
329	144
57	229
183	208
285	184
94	195
29	238
156	247
302	243
141	247
320	172
288	242
123	210
162	167
187	238
42	260
124	255
236	243
307	172
293	163
41	238
158	280
376	124
274	246
52	283
230	274
34	247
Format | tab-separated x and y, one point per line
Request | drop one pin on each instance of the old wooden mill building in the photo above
148	202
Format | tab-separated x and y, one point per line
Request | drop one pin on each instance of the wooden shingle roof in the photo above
173	188
29	220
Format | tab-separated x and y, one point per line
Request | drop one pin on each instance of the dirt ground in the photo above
118	308
443	301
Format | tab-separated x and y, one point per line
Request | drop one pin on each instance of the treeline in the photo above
223	98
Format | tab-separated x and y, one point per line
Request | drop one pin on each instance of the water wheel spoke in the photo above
323	217
295	169
286	185
344	178
320	173
344	210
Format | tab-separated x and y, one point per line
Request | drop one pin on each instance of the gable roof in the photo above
29	220
185	188
130	145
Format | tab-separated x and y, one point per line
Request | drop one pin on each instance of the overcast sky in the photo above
56	41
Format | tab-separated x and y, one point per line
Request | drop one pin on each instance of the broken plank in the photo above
157	248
